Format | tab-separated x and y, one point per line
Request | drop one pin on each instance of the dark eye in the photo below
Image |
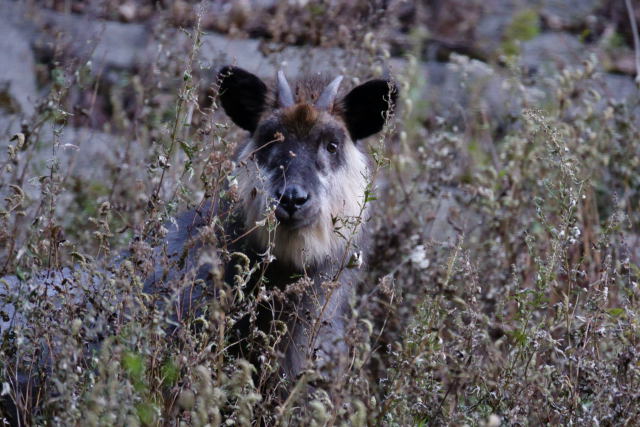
332	147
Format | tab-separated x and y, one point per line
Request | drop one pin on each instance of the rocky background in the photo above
504	281
122	43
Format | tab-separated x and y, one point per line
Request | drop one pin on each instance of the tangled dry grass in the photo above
502	288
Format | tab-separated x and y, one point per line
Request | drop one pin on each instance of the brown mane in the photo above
302	116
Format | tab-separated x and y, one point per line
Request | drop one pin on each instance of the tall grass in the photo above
502	287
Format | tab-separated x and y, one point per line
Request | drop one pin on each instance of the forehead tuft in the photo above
300	118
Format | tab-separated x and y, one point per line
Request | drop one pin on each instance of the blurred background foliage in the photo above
503	283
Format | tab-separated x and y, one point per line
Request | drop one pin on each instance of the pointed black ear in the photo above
365	108
243	96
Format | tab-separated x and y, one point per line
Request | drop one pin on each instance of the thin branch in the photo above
636	37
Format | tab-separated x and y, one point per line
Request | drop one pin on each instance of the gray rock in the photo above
623	90
451	218
58	286
9	125
620	88
568	13
105	43
493	23
440	229
17	74
218	50
457	92
633	243
553	49
84	154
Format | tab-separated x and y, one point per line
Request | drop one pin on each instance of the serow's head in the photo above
302	158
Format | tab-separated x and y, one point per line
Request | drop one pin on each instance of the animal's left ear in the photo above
366	108
243	96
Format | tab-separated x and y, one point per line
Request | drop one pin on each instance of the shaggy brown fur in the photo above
300	118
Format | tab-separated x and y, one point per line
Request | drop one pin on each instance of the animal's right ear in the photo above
243	96
366	108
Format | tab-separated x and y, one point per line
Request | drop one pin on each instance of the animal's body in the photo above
302	180
302	164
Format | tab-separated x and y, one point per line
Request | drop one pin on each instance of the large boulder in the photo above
18	91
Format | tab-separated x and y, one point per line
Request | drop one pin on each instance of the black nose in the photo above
292	198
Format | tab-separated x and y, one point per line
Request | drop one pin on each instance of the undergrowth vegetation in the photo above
502	286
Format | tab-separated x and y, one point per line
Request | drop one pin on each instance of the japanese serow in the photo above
301	180
303	165
303	160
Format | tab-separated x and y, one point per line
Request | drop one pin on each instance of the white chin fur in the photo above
308	246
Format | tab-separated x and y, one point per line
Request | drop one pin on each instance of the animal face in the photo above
302	160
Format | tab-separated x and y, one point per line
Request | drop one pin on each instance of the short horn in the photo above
328	96
285	97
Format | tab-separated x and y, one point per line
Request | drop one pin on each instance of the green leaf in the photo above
519	337
133	365
170	372
616	312
188	150
147	413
